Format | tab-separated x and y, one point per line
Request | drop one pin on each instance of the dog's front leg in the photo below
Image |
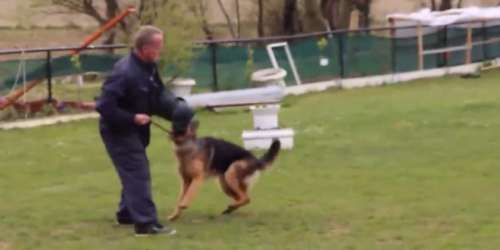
186	199
184	186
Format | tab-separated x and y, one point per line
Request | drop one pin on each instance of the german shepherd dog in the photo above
200	158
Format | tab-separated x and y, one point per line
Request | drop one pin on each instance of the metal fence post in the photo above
49	76
393	46
484	35
341	54
446	55
213	49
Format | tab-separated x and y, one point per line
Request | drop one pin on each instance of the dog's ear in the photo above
193	126
170	134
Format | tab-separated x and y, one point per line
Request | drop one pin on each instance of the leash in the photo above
156	124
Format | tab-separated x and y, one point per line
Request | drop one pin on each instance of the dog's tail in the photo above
271	154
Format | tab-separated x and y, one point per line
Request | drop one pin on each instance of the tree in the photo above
445	5
290	17
104	10
364	8
433	5
260	18
338	12
149	10
312	16
228	19
89	8
180	32
198	9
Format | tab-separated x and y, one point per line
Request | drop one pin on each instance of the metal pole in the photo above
468	53
213	48
393	46
341	54
49	76
57	49
445	41
484	35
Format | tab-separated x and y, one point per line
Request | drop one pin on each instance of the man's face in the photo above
151	51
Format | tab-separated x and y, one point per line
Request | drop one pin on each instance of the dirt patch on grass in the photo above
4	245
69	229
338	229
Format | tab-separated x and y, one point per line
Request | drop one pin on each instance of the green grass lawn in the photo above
413	166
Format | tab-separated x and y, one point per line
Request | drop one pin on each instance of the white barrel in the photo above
269	77
182	86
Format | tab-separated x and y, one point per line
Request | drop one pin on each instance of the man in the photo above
131	94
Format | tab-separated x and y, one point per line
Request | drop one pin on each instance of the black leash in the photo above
156	124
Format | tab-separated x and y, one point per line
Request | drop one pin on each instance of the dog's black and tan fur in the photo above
200	158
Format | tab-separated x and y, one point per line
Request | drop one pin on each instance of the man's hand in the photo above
141	119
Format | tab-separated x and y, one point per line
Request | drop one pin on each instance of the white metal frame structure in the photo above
289	56
425	18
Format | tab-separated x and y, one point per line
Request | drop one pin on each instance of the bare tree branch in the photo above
238	20
228	19
198	8
90	10
81	6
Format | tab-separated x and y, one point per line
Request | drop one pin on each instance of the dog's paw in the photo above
174	216
228	210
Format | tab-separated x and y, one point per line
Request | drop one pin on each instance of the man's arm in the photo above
113	89
165	104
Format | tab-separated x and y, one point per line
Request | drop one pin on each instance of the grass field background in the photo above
413	166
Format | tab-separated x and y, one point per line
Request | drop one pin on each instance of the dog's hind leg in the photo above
236	184
227	190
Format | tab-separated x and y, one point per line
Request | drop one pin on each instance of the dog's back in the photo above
221	154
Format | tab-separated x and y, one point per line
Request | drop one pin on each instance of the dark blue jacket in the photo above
133	87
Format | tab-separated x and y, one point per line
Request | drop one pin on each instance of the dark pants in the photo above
128	153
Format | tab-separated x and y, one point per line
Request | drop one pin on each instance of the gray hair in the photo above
144	35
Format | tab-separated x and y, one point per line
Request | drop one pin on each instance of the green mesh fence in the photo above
343	55
12	72
405	49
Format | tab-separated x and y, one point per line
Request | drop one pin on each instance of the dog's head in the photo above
185	136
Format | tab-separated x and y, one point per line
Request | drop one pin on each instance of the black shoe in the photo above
143	230
124	221
123	217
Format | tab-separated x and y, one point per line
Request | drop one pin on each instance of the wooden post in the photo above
420	45
468	53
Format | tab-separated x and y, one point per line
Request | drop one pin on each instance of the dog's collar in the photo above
186	146
203	144
211	157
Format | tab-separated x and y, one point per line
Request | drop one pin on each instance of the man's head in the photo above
148	43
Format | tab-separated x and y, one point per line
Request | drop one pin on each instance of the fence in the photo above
227	64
